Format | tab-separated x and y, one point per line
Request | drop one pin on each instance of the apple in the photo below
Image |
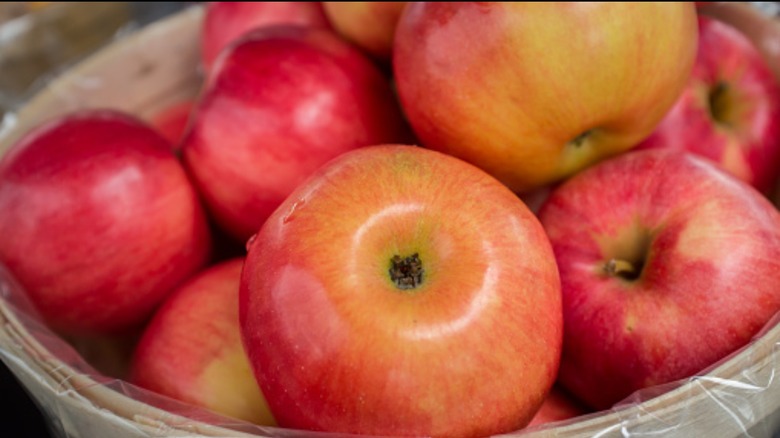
401	291
282	102
99	221
191	350
225	22
729	112
535	92
370	25
667	263
558	406
751	20
172	121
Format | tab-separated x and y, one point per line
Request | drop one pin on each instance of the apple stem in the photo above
406	272
580	139
621	268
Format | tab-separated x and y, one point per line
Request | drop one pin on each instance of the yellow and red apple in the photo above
401	291
535	92
191	350
370	25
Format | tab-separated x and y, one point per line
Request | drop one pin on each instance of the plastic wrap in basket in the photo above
158	66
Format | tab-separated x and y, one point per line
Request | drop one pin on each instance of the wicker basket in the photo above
158	66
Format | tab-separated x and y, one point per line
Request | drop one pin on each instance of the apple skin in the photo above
337	346
225	22
558	406
171	122
729	112
706	251
191	350
370	25
99	220
535	92
281	103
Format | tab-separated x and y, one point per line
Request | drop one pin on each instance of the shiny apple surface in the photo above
402	291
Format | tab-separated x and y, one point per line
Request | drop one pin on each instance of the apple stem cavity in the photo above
406	272
580	139
718	100
623	269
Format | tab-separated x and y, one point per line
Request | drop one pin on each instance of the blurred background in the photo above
39	40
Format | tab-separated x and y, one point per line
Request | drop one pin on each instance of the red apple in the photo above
730	111
172	121
99	220
558	406
401	291
225	22
283	102
192	351
370	25
667	265
751	20
535	92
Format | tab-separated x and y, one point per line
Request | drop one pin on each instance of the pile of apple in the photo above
336	235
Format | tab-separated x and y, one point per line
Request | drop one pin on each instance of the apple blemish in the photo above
406	272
